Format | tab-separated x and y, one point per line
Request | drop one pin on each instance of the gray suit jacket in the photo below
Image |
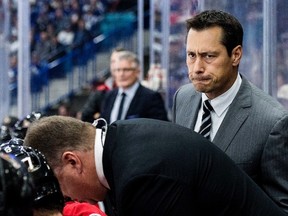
254	133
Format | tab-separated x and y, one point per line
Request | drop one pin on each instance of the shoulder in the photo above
146	91
262	101
111	93
185	91
96	94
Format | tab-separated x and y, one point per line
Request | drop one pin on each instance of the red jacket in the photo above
73	208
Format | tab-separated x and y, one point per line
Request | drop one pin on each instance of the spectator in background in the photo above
38	79
57	50
282	95
92	107
14	43
249	125
7	127
155	78
66	36
13	78
91	20
48	18
140	102
82	35
60	19
42	47
64	109
75	8
98	7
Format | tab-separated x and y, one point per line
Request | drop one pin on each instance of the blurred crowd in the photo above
57	26
58	23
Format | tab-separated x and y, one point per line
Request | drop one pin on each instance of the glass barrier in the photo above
265	58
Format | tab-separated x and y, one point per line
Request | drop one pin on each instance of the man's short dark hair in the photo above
232	29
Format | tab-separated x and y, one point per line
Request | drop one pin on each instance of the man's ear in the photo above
72	161
236	55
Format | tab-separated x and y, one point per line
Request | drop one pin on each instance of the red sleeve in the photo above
82	209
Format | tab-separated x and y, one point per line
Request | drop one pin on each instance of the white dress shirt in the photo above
130	92
98	154
220	106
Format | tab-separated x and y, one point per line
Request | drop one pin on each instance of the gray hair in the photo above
129	56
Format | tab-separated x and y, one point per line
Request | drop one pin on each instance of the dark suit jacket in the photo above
145	104
158	168
254	133
92	105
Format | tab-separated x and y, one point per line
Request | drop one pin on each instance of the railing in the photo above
81	65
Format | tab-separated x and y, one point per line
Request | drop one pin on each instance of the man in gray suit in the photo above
247	124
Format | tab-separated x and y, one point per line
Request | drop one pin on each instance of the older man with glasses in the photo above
131	99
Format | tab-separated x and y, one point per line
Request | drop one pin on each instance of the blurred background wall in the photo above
70	43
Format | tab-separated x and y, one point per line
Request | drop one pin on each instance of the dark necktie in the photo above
206	120
123	95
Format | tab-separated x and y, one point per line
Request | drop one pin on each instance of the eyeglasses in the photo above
125	70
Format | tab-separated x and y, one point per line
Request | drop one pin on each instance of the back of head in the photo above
47	191
232	28
54	134
16	187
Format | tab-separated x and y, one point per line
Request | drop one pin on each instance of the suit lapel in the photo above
194	105
135	99
237	114
186	105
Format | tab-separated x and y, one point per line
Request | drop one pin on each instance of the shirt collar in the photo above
129	91
222	102
98	153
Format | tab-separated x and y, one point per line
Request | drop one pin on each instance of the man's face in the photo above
78	180
126	73
210	68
